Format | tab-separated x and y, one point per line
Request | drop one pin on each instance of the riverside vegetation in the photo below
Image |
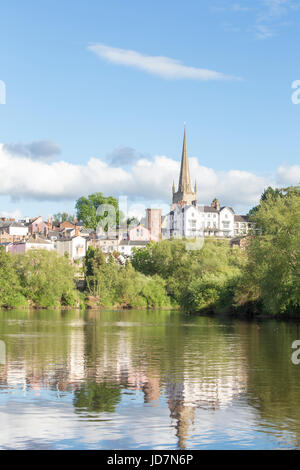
262	279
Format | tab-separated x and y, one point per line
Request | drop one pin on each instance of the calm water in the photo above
140	380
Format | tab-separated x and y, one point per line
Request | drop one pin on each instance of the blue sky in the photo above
95	101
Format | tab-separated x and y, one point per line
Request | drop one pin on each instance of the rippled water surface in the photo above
140	380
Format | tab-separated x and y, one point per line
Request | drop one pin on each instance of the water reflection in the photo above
148	379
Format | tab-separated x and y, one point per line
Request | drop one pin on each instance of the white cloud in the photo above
289	175
148	180
163	67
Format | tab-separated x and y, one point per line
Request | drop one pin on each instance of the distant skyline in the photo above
97	94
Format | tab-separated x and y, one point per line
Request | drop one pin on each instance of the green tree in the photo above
46	279
97	398
272	273
117	285
10	288
192	274
86	209
64	217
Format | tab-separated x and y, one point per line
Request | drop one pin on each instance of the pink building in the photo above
154	224
37	225
139	233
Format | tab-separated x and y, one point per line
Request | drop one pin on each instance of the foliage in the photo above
97	398
10	288
272	272
86	208
115	284
196	279
41	277
64	217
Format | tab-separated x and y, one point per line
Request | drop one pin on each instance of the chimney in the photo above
76	231
216	204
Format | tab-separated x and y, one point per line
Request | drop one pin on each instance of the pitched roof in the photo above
241	218
210	209
227	207
39	241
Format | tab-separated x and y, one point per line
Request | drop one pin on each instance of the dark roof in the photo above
210	209
241	218
38	240
68	239
53	233
13	224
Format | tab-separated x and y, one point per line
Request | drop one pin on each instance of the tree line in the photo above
261	279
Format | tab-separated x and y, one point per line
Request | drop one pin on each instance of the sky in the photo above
94	96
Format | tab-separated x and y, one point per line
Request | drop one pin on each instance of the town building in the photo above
153	223
17	230
188	219
33	243
126	247
37	225
74	248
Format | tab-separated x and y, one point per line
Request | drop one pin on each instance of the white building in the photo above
189	219
15	229
126	246
74	247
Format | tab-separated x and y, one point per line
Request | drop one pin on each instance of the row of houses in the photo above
73	239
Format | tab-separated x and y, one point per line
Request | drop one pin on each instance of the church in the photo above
188	219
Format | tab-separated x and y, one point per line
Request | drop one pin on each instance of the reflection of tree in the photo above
273	380
97	398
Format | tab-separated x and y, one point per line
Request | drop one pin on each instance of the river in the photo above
146	380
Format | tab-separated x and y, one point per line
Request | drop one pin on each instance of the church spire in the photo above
185	194
184	178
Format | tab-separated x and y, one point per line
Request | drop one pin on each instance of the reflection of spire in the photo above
184	415
151	389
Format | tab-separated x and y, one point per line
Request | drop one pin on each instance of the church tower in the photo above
184	195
